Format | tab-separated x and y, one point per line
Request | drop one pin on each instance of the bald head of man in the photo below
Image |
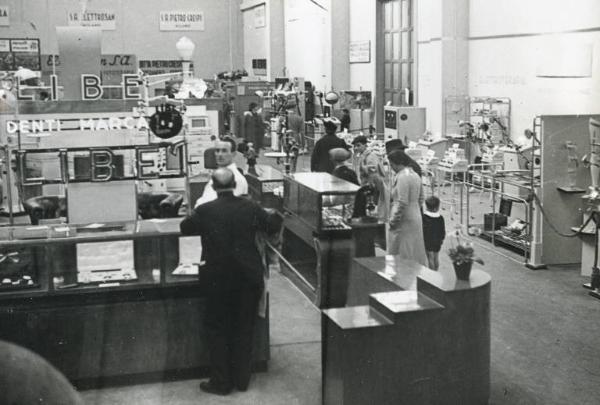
223	180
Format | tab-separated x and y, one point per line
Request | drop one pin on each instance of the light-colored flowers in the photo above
462	250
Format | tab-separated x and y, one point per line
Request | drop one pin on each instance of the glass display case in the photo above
59	257
316	250
265	185
323	202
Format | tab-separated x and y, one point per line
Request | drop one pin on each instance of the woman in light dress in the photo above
405	236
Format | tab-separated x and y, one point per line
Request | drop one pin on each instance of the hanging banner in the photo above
20	52
4	16
103	19
181	21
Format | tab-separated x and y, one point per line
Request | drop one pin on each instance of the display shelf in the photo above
500	238
493	111
571	190
513	187
104	257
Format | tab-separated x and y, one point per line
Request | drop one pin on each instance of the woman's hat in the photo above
394	144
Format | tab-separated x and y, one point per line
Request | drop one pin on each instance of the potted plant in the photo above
462	252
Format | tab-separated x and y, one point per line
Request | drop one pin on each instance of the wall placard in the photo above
103	19
4	16
20	52
360	52
177	20
260	19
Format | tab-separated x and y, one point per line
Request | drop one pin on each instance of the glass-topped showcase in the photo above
60	257
265	185
322	201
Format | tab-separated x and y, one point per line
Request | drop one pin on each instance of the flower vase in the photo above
462	269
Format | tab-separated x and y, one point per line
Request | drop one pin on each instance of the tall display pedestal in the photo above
418	337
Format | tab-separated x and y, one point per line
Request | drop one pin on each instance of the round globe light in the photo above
185	47
332	97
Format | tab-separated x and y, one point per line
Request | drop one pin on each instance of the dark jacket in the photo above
228	227
434	232
346	173
319	160
345	122
254	129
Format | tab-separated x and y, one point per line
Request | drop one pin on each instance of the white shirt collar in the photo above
431	214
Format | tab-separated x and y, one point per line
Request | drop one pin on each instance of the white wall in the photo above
256	44
507	66
362	28
429	62
308	42
508	41
137	29
489	17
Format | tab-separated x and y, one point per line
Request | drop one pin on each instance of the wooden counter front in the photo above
416	337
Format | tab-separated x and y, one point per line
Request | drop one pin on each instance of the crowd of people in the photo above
415	231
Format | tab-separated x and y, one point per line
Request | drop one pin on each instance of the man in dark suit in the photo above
319	160
234	276
340	157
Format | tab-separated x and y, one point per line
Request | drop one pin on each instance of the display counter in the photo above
417	337
265	186
112	302
317	246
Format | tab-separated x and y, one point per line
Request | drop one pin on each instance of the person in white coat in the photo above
405	236
225	151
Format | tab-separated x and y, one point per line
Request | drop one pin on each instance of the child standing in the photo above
434	231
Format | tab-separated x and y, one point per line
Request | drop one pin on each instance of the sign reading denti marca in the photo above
178	20
103	19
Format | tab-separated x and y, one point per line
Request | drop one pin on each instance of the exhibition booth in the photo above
91	249
103	155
